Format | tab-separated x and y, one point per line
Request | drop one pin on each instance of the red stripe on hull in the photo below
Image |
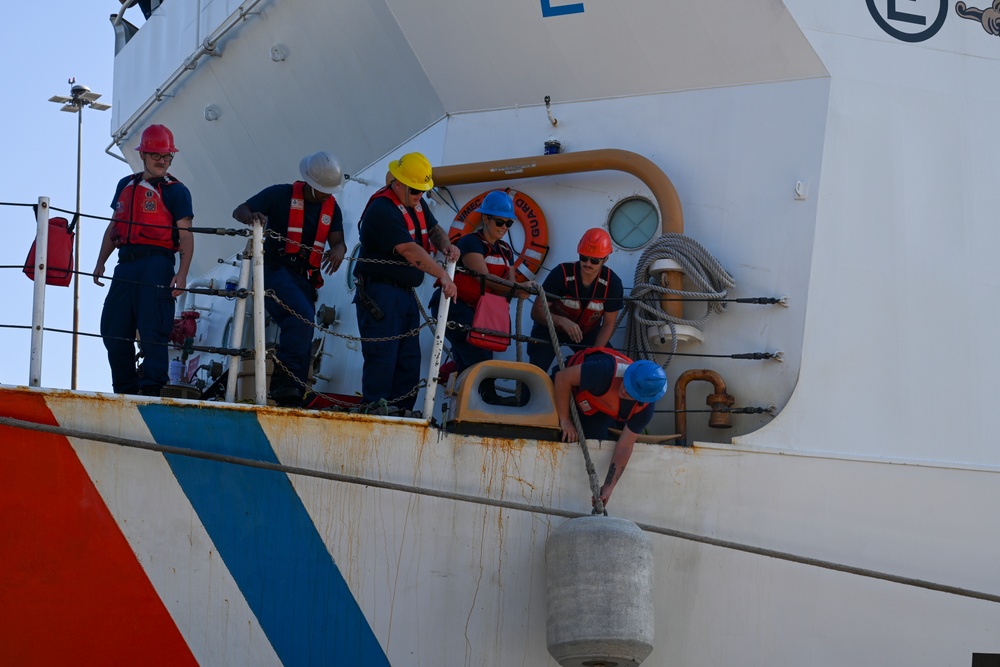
71	590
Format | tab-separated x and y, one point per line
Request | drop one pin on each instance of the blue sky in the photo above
46	43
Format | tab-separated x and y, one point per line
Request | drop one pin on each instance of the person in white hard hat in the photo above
308	238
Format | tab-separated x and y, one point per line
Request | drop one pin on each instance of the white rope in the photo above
644	310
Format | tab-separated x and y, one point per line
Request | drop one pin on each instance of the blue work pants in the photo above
295	344
391	368
139	299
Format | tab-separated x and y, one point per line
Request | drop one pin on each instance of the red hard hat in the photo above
595	243
157	139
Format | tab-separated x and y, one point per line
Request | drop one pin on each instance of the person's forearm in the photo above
419	258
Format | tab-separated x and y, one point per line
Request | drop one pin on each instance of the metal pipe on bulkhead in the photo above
720	401
604	159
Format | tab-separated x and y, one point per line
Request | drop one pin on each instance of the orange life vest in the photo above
610	401
296	215
570	306
425	240
146	222
498	259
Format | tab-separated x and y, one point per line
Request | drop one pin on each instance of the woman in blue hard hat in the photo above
611	391
484	253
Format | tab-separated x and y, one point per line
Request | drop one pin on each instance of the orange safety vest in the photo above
149	223
610	401
425	240
498	262
570	306
296	214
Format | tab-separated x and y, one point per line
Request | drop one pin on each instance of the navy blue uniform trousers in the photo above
392	368
295	342
139	299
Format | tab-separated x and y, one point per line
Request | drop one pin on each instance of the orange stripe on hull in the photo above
71	590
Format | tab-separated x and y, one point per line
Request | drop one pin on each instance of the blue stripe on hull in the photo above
266	538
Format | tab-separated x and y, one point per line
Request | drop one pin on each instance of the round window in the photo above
633	222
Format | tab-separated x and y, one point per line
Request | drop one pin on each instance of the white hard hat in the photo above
322	172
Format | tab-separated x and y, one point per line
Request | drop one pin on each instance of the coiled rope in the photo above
699	267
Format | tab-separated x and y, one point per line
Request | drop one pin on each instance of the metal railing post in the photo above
260	355
239	317
436	351
38	303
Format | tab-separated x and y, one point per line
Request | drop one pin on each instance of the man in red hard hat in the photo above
584	299
152	211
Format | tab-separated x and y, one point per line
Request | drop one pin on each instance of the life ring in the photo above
529	214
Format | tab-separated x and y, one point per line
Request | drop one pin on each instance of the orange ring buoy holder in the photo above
529	214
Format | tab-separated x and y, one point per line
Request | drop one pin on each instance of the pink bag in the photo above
493	315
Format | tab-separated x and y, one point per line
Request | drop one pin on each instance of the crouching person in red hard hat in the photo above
611	391
584	299
152	213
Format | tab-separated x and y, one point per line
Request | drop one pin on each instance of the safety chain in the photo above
284	239
381	339
343	404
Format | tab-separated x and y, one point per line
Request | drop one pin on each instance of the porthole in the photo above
633	222
350	267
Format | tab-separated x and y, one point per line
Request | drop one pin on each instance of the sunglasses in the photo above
592	260
414	191
165	157
501	222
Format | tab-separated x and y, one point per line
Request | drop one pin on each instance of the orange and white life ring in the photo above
529	214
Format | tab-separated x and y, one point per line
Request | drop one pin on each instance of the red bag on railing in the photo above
493	314
60	269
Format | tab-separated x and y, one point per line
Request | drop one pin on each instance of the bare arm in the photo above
333	257
247	216
623	452
607	329
418	257
186	250
564	324
566	379
107	246
440	240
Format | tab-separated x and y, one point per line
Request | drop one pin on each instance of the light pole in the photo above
80	97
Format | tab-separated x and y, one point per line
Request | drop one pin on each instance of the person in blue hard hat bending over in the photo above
399	234
306	218
152	214
486	253
611	391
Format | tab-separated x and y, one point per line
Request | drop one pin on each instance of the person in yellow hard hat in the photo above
584	299
152	213
399	234
307	219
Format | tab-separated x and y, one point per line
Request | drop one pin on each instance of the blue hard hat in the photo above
498	204
645	381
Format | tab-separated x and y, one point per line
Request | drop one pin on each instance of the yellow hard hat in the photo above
413	170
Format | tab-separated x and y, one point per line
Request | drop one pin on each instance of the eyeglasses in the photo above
164	157
414	191
592	260
501	222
